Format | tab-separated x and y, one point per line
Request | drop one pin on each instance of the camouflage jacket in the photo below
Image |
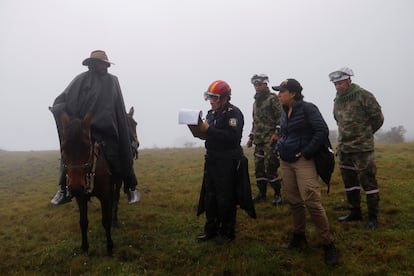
358	116
266	117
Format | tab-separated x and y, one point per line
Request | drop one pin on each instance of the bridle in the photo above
88	168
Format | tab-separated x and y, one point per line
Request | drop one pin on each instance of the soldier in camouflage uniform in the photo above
358	116
264	135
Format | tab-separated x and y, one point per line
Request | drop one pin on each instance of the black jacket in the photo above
243	190
304	132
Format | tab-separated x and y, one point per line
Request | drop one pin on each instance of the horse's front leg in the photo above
115	202
83	221
106	206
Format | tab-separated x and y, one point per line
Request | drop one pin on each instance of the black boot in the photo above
372	224
277	200
205	237
373	206
276	185
353	216
261	196
354	201
298	240
331	255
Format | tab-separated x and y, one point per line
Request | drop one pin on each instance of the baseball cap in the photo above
289	84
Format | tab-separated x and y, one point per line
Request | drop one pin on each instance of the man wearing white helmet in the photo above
264	134
358	116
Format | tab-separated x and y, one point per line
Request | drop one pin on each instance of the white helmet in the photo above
259	78
341	74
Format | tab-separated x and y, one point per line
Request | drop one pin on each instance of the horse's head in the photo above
133	127
77	150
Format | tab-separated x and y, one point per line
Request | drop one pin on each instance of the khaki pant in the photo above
301	185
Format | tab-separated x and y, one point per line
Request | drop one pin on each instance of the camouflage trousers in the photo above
266	163
359	170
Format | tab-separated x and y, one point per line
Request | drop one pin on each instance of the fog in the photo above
166	53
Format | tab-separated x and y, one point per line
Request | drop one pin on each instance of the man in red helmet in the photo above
225	166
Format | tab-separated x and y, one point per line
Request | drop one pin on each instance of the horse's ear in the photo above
64	119
131	111
87	119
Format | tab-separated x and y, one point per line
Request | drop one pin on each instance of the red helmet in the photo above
218	89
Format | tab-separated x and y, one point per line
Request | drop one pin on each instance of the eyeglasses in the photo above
213	98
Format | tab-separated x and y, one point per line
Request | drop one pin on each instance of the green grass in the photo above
157	236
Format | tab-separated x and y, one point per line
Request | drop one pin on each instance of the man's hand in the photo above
249	143
204	126
274	138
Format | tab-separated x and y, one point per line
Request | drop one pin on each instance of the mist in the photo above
166	53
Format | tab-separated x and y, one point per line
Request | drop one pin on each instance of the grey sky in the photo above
167	53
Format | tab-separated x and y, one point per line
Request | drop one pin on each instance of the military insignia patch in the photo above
233	122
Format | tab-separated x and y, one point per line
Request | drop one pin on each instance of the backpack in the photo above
324	157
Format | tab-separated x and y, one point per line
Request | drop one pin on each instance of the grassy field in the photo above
157	236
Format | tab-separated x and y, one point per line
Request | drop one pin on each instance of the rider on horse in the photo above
99	92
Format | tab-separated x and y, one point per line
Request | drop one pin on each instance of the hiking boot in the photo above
298	240
277	199
206	237
331	255
61	197
353	216
224	239
133	196
259	198
372	224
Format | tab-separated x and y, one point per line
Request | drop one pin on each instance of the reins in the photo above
89	167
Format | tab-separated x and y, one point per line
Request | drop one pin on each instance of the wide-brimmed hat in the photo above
97	55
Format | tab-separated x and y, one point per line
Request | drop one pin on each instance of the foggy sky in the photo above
168	52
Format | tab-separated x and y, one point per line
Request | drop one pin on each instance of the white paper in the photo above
189	116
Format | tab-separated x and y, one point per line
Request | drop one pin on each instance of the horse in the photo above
87	174
132	125
133	128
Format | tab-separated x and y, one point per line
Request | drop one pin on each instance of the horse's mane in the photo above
74	134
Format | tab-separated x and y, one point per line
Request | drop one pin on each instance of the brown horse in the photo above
133	128
132	124
87	174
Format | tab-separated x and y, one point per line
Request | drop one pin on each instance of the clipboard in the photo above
192	118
